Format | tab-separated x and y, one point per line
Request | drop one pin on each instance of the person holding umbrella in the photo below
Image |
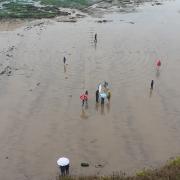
63	164
84	97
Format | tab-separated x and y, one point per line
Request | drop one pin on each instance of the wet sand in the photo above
40	111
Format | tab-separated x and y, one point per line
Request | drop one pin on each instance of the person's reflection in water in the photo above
150	92
97	107
102	109
65	69
95	45
108	107
86	105
83	114
157	73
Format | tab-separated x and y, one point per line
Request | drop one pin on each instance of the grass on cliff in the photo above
170	171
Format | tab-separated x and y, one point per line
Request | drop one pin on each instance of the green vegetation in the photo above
30	9
16	10
67	3
171	171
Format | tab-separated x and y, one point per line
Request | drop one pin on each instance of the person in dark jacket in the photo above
95	38
97	95
152	84
64	60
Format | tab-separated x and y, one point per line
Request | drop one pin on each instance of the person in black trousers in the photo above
97	95
102	101
152	84
64	170
64	60
95	38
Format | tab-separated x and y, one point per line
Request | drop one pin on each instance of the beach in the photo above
40	110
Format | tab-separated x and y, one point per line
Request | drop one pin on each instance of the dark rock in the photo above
80	15
9	55
104	21
7	71
99	166
85	164
158	3
132	22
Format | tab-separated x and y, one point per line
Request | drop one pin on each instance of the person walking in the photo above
152	84
86	97
158	64
83	102
95	38
82	97
97	95
64	60
63	164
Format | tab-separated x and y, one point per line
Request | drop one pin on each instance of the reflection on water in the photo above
83	114
102	109
95	45
86	105
157	73
65	69
108	107
97	107
150	92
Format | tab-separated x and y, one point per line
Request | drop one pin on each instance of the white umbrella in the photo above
63	161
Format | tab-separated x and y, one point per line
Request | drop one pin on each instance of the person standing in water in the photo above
82	102
95	38
97	95
64	60
109	95
102	100
86	97
152	84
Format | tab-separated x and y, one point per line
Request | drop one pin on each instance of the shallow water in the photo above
41	114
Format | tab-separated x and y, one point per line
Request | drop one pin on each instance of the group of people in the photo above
103	92
63	164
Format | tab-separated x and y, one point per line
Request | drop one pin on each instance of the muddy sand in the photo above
40	111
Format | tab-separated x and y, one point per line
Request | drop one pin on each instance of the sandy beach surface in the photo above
41	118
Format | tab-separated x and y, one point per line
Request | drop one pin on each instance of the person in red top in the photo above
158	63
